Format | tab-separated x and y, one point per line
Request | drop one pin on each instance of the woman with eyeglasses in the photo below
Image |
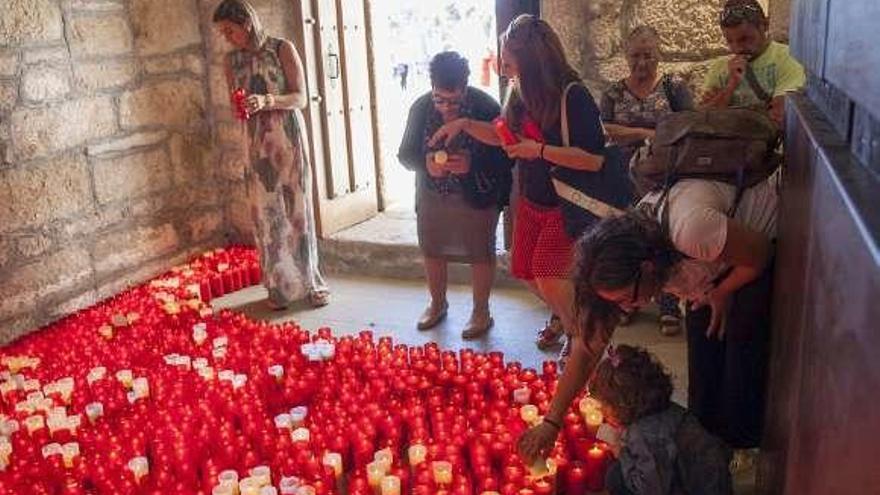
685	244
631	108
533	59
461	186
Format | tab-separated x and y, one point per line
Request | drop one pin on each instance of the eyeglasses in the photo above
736	14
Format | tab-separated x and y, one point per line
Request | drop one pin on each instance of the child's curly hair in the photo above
633	383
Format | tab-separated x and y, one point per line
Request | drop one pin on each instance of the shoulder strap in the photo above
563	113
667	92
752	79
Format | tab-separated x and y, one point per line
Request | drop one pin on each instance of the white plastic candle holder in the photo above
219	352
226	375
390	485
522	395
249	486
300	435
239	381
298	415
417	454
199	363
262	474
69	453
282	421
95	374
268	490
125	377
289	485
333	460
221	341
375	473
94	411
51	449
276	371
139	467
442	471
33	424
529	414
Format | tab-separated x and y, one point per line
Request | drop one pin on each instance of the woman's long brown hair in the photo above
544	71
240	12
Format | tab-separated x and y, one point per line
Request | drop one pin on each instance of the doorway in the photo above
406	34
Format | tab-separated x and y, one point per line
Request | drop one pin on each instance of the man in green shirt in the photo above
759	72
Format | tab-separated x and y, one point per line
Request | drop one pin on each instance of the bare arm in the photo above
295	95
483	132
564	156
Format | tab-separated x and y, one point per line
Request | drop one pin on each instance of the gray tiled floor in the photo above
391	307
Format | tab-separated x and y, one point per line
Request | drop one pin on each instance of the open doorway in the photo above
405	35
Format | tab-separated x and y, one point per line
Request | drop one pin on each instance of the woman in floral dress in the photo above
278	177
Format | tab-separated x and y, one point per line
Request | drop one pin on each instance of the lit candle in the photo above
226	375
442	472
298	416
262	474
33	424
589	404
522	395
289	485
282	421
276	371
125	377
529	414
96	374
391	485
300	435
375	473
593	419
141	387
199	333
228	476
249	486
206	373
225	489
594	468
69	453
51	449
417	454
333	460
268	490
385	458
105	331
139	467
239	381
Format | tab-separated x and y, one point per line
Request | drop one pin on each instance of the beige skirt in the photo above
451	229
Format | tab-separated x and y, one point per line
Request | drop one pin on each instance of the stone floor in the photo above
391	307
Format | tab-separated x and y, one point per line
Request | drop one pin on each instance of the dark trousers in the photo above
728	378
614	484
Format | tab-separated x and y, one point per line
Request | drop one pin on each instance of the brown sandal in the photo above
551	335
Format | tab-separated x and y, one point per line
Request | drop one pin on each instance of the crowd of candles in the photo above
152	391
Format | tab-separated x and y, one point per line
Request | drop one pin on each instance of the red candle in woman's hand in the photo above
504	132
239	102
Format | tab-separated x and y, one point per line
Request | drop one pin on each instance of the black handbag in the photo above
590	196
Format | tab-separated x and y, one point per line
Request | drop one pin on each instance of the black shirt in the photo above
488	181
584	131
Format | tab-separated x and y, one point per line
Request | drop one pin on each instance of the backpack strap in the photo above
752	80
563	114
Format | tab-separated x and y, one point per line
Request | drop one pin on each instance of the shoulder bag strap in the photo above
752	79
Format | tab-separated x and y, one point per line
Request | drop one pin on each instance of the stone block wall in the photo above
107	172
593	32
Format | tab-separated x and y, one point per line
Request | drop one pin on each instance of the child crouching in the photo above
663	450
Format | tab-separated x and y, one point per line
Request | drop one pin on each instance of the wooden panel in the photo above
832	102
337	171
809	22
866	139
823	421
852	59
358	94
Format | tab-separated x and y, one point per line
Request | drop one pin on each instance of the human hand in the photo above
458	164
255	103
434	168
447	132
718	301
736	69
527	149
537	442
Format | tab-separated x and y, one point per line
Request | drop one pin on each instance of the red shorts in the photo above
541	248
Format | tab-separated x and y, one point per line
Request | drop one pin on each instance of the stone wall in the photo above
106	167
593	32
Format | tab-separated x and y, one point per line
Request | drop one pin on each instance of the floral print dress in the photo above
278	181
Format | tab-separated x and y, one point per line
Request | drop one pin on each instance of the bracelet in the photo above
541	155
553	423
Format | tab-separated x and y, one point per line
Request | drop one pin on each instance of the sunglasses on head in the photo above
736	14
